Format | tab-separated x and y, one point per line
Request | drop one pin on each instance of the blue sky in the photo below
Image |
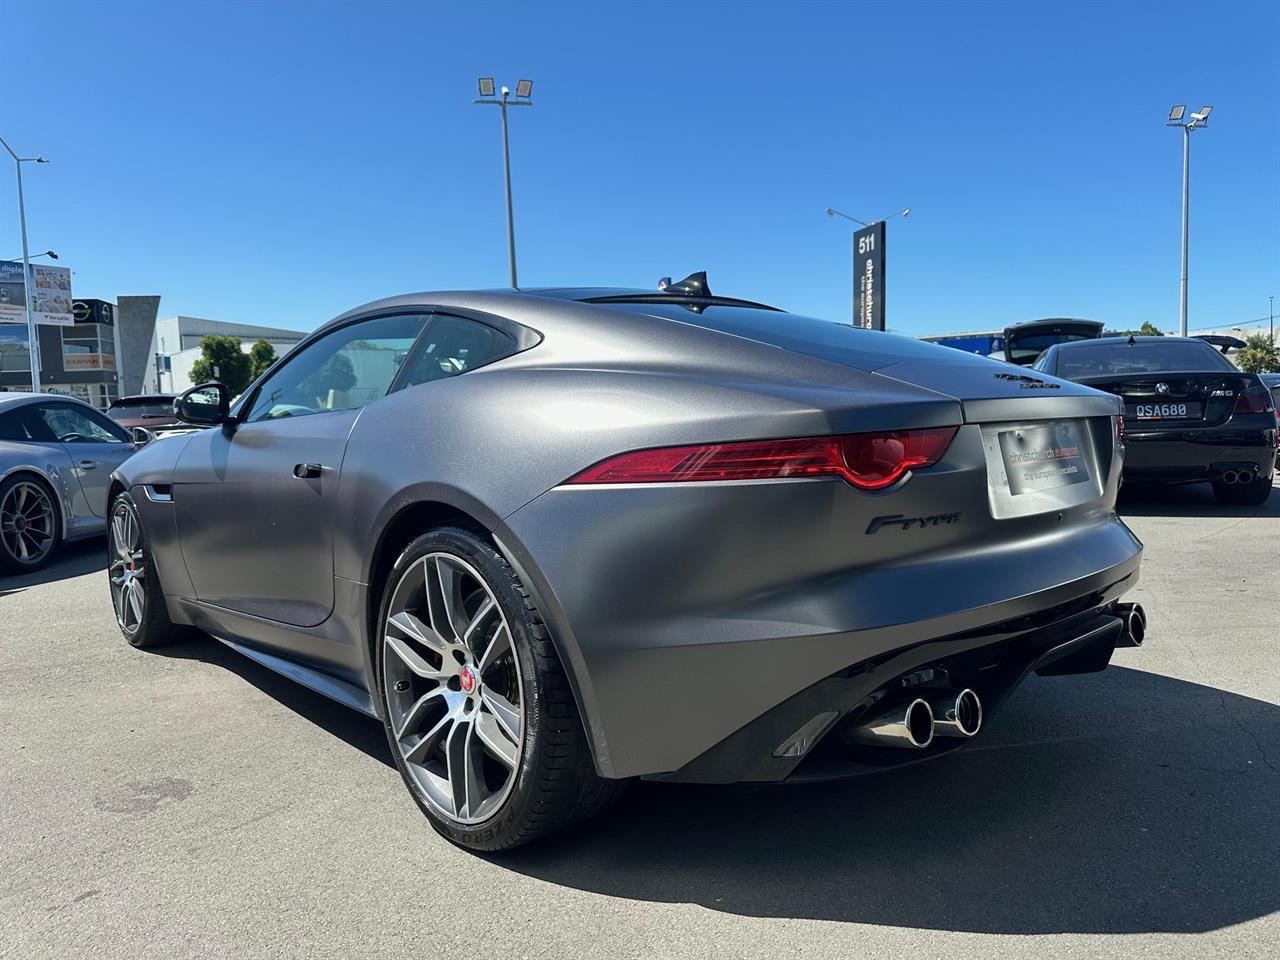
278	163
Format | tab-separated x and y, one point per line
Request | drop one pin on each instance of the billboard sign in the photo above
50	294
11	293
868	277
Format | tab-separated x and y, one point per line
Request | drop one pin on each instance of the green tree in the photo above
222	359
1259	355
261	356
1148	329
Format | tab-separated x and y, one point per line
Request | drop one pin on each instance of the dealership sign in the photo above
868	277
50	294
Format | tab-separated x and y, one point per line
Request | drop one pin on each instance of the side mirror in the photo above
205	405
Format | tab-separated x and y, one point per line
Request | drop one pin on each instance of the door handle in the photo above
307	471
88	464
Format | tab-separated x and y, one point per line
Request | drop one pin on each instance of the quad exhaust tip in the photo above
1134	619
958	715
908	725
1237	476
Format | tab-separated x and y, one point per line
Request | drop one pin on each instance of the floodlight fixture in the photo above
486	86
524	89
1175	114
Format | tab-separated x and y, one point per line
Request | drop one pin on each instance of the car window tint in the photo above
1099	359
343	370
23	424
454	345
70	424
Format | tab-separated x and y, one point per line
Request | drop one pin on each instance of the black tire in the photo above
10	560
555	782
149	624
1244	494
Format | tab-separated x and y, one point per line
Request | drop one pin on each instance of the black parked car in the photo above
1189	414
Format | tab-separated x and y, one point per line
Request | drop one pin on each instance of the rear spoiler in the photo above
1223	343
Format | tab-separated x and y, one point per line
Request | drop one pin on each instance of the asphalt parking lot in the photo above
191	804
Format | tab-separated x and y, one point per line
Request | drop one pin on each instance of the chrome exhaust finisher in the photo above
1230	476
956	714
908	725
1244	476
1134	619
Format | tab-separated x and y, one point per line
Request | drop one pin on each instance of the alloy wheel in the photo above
128	569
451	678
27	522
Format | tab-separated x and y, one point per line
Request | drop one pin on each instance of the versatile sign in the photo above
50	294
868	277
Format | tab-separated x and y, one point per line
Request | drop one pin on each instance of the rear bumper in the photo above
685	613
1184	456
1075	637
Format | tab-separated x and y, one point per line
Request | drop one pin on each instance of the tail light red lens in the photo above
871	461
1257	399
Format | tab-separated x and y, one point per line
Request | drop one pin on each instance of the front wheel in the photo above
1250	494
477	707
136	596
28	524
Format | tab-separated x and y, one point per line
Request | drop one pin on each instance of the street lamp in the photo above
904	212
524	91
1197	120
36	256
33	341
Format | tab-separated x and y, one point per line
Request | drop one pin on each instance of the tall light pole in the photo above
524	91
1197	120
33	340
869	269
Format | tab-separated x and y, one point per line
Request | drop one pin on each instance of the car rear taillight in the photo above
1118	420
871	461
1257	399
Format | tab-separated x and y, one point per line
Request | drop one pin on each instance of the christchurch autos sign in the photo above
50	294
868	277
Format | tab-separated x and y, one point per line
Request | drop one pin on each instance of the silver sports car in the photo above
56	459
558	539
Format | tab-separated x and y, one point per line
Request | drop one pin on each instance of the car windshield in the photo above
141	411
1098	359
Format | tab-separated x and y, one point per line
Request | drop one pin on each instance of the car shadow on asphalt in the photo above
356	729
73	559
1121	802
1187	500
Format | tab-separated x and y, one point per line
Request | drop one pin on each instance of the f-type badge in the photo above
900	522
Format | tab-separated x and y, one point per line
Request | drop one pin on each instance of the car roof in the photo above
529	302
16	399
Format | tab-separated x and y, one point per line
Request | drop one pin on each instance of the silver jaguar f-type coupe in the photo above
558	539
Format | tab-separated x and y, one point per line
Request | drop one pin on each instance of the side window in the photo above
71	424
343	370
454	345
23	424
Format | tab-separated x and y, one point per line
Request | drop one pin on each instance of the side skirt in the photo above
344	693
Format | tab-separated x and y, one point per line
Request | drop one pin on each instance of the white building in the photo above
175	347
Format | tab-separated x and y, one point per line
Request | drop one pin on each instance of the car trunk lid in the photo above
1176	399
